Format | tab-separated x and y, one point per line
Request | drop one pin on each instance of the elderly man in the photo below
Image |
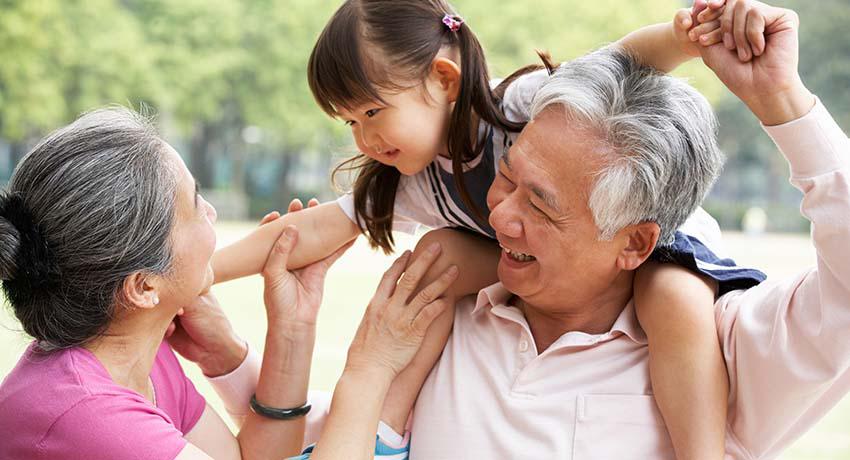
551	362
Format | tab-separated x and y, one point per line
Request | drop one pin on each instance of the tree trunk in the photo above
200	156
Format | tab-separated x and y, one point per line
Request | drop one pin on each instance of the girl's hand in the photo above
393	327
293	298
698	26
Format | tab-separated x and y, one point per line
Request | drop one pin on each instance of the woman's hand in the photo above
293	298
203	335
393	326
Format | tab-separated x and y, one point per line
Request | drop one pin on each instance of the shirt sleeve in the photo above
519	95
108	427
786	343
403	218
236	388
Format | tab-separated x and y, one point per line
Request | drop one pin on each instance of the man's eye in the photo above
372	113
535	208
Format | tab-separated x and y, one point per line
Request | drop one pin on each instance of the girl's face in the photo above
407	132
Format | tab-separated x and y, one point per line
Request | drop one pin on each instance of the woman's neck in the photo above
128	348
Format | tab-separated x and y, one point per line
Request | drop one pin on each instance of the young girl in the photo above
410	78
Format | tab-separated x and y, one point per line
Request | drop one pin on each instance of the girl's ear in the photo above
140	291
446	73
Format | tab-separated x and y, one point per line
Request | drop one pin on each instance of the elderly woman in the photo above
103	240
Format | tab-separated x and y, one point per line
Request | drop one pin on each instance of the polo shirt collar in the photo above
626	323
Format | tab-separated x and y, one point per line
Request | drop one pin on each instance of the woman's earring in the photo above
155	299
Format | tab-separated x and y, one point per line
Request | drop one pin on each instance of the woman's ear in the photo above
446	73
640	241
140	291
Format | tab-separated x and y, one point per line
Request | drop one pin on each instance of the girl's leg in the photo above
675	307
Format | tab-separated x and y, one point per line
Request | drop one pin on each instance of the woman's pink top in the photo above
64	405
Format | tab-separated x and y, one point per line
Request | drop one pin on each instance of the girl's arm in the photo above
666	46
323	230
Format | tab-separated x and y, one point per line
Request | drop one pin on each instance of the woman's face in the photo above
193	238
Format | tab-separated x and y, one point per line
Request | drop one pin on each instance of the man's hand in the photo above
769	83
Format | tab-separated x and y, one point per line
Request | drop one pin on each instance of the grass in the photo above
354	278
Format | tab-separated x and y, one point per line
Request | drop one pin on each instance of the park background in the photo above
227	80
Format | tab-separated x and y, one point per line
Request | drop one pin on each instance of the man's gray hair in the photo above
660	132
99	195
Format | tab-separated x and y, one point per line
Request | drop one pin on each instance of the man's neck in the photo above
549	322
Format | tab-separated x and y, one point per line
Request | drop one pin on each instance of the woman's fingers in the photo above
386	287
272	216
433	291
295	205
415	271
427	316
276	263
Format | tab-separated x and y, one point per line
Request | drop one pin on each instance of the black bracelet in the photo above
278	414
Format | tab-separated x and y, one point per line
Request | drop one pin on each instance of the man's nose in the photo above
505	220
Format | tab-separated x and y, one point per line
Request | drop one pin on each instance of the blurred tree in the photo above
755	174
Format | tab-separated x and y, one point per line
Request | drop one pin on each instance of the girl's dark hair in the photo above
90	205
372	45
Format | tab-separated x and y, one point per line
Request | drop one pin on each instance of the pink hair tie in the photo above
453	22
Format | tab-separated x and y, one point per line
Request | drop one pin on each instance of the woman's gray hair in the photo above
98	195
660	132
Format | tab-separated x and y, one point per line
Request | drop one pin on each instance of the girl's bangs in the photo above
337	71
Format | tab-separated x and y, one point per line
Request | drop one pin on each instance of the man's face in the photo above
538	206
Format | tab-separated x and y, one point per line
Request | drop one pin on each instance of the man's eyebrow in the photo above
547	197
507	158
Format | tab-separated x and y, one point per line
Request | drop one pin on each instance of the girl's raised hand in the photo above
393	327
698	26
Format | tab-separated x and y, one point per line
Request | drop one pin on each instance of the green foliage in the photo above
212	68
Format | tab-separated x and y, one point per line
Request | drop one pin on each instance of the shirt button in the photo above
523	346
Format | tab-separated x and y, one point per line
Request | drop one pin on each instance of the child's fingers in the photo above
716	4
313	202
740	32
703	29
682	22
712	38
711	13
755	31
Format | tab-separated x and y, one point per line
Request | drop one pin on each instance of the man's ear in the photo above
640	241
446	73
139	291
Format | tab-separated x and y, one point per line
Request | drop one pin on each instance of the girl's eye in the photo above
349	122
372	113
